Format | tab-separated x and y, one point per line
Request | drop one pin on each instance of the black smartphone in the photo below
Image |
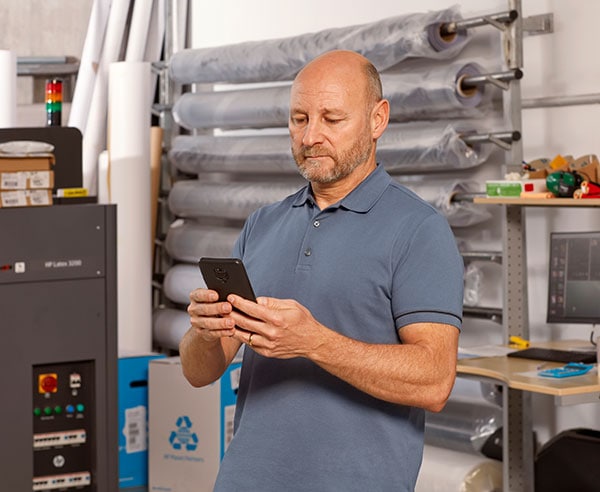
226	276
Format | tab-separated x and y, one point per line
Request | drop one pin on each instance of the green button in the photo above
48	410
58	409
37	411
80	407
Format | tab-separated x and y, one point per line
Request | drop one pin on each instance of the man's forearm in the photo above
203	361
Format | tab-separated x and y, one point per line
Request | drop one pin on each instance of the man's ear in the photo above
380	116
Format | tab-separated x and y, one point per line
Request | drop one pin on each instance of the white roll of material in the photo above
8	89
444	470
129	154
94	137
169	326
90	58
180	280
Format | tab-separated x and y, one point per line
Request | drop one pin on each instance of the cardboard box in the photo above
133	419
25	198
25	180
29	163
190	428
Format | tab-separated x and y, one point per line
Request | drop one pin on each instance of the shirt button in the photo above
307	252
316	223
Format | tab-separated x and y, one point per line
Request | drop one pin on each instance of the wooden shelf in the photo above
540	202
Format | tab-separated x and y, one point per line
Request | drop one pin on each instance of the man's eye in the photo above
332	121
298	121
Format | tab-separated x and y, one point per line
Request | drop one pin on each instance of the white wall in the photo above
560	64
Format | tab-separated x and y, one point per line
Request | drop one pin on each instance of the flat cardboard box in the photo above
503	188
190	428
25	198
29	163
26	180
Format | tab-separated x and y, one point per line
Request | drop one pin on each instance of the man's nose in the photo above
313	133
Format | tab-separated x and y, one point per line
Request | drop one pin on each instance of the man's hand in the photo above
279	328
209	317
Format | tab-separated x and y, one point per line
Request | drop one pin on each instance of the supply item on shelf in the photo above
413	95
386	43
403	148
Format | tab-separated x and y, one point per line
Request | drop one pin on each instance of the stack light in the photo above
54	89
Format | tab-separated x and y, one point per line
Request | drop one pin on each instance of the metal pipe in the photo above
493	314
493	256
502	18
559	101
506	137
499	79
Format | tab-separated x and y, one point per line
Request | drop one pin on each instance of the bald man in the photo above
355	331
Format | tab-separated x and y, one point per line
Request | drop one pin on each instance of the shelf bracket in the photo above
538	24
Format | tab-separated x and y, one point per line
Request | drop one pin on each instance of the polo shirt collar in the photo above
361	199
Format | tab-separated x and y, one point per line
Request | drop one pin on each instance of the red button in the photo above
47	383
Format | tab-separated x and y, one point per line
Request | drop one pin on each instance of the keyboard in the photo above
555	355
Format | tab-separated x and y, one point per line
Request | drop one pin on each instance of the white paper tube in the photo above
129	153
138	30
169	326
8	89
188	241
445	470
103	178
94	137
88	66
407	36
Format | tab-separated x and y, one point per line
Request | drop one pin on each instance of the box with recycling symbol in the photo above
189	428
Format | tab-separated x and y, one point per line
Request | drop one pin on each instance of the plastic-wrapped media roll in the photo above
447	470
463	425
422	94
435	93
234	154
187	240
169	326
412	148
386	43
440	194
473	279
237	200
247	108
403	148
180	280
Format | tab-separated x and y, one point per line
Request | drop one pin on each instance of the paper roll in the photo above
129	153
94	137
138	31
8	89
103	178
444	470
90	58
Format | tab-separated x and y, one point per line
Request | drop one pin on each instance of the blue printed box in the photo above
133	419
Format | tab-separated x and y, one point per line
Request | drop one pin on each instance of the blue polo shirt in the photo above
379	259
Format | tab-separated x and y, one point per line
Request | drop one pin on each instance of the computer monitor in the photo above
574	278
